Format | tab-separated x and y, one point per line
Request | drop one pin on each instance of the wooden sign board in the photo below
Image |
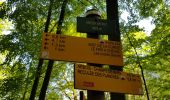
96	26
77	49
100	79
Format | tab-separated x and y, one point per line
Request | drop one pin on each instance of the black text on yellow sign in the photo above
77	49
95	78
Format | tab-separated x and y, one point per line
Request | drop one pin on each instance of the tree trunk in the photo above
38	72
51	62
112	14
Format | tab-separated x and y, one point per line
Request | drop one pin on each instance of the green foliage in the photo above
12	83
20	49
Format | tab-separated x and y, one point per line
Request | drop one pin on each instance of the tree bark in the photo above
112	14
39	67
51	62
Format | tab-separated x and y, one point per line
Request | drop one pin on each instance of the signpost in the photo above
95	52
93	25
99	79
69	48
94	95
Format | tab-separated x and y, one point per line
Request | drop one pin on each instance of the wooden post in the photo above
94	95
82	96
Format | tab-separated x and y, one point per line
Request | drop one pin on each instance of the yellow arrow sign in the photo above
69	48
96	78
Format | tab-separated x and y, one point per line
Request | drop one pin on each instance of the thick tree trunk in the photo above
112	14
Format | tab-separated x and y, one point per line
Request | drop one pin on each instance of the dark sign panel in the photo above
92	25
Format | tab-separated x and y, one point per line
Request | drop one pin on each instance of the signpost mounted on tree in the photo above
114	35
98	27
95	28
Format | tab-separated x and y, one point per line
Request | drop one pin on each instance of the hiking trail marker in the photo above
100	79
77	49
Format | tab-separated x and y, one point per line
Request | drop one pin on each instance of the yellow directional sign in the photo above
69	48
96	78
